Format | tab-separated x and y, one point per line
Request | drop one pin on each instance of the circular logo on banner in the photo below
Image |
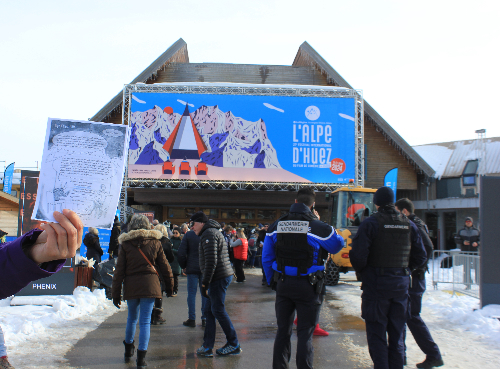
337	166
312	112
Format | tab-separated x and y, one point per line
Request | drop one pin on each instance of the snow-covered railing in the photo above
458	268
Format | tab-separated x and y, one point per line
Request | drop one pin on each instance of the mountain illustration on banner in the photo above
208	134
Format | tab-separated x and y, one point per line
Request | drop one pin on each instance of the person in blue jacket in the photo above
385	249
293	257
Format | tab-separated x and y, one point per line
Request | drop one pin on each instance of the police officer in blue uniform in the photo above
294	253
385	249
415	323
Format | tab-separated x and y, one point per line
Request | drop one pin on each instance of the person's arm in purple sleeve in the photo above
39	254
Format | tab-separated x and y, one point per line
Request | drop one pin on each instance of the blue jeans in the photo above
193	283
145	305
3	349
252	258
214	309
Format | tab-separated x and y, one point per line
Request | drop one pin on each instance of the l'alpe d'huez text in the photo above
230	141
312	145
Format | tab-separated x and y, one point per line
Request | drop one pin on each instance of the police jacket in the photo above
213	252
470	234
187	255
319	236
384	281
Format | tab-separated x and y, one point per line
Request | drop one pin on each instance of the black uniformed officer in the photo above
293	256
385	249
417	326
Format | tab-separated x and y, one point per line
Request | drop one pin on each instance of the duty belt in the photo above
316	279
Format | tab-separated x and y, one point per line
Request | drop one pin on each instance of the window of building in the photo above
469	173
266	214
180	213
247	214
211	213
448	187
237	214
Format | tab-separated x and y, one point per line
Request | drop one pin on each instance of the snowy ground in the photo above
467	337
39	336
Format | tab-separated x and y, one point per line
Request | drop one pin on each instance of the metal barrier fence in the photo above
458	268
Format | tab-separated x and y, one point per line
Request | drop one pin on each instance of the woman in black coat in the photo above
91	240
113	240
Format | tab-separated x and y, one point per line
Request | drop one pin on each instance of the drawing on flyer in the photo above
82	170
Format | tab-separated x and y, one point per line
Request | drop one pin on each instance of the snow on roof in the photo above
448	159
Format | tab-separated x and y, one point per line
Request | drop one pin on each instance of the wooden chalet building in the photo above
384	147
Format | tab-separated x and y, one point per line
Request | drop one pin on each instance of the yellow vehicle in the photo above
347	208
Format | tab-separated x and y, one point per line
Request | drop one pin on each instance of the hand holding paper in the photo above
58	240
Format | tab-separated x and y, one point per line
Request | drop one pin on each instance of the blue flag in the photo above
391	180
7	178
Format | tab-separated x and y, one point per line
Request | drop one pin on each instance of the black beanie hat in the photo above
383	196
199	217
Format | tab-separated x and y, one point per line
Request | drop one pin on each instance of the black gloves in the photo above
204	291
117	302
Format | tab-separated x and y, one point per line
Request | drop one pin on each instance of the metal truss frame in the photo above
244	89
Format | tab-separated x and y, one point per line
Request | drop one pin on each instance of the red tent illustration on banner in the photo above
185	140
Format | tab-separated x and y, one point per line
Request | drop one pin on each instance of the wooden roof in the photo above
173	66
177	53
9	198
307	56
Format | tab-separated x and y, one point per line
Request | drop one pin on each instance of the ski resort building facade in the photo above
238	202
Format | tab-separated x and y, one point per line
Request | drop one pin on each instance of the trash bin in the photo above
83	276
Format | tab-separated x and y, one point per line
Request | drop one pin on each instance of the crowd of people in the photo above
390	246
209	254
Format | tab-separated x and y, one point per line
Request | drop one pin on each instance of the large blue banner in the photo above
242	138
8	175
391	180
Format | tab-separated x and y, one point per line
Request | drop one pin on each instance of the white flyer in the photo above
82	170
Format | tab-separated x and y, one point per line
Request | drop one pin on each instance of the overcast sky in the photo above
429	68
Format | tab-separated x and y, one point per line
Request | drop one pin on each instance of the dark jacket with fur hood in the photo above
138	277
214	257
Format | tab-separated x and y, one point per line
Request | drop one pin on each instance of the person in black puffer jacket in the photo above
113	239
176	269
94	250
216	276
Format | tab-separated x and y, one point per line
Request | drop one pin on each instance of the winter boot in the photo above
160	318
129	351
141	359
4	363
156	317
